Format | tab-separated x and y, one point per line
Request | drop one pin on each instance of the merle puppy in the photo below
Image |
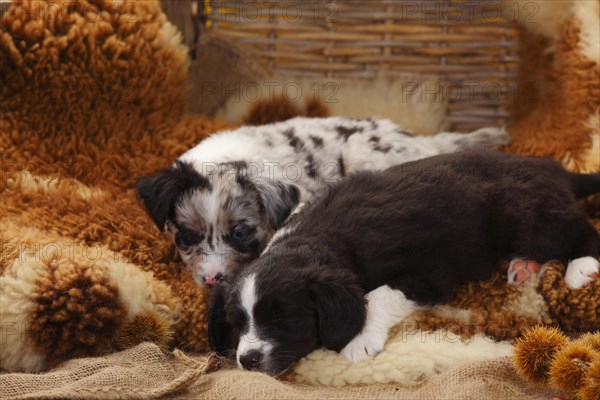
224	199
381	244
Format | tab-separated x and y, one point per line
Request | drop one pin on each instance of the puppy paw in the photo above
581	272
366	344
521	271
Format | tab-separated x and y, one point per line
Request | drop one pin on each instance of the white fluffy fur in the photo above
249	340
588	14
17	286
591	158
282	162
386	307
540	16
409	358
140	291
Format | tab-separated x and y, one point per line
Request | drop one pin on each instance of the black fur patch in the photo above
243	180
248	245
347	132
294	140
585	185
377	147
185	238
403	207
384	149
219	329
160	193
235	165
311	168
341	166
318	142
278	199
209	240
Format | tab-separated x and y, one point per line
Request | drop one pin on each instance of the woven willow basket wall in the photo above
468	46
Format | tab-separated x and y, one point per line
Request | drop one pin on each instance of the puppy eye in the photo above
187	237
278	313
239	233
278	317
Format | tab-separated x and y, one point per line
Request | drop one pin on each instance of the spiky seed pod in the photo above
591	339
591	385
535	350
149	327
570	366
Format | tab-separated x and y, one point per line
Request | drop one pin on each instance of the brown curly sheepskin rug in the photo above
94	97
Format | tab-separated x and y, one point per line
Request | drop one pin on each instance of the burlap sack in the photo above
145	372
142	372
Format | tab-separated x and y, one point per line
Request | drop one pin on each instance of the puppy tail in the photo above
584	185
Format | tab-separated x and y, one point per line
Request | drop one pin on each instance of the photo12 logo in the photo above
252	92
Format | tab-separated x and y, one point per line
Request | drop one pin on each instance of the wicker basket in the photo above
468	46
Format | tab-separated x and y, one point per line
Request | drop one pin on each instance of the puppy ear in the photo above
341	307
279	199
160	192
219	330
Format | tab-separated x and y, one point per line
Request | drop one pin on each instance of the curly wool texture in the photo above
114	110
574	310
93	95
66	305
78	310
111	220
559	90
495	309
98	55
69	299
410	357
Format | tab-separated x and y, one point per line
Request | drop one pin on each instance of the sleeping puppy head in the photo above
218	221
281	308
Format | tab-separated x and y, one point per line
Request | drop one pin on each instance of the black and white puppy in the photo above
224	199
382	244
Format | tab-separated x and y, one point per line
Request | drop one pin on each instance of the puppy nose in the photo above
214	280
251	359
